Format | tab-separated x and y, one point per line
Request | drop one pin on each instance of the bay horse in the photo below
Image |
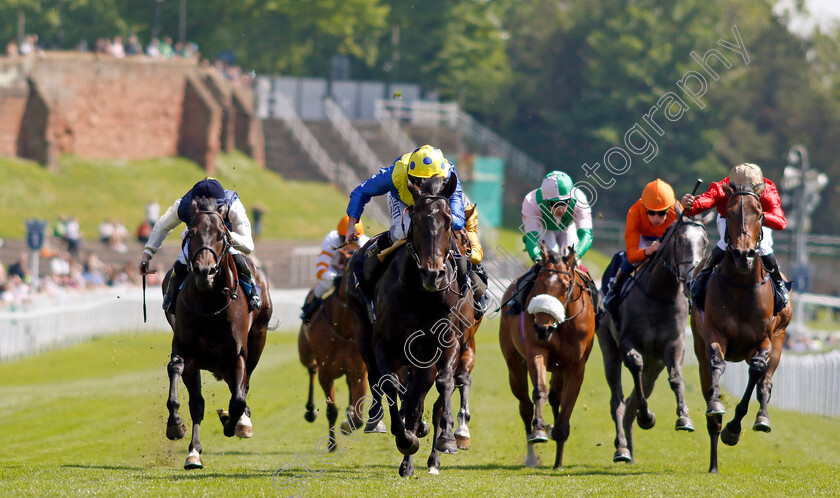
738	324
213	329
556	334
327	348
423	313
647	336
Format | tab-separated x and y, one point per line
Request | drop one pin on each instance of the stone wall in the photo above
107	108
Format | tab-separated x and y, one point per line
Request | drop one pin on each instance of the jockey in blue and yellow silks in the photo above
424	162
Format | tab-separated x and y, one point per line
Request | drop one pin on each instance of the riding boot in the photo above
611	300
516	304
698	284
478	277
179	274
372	266
248	282
780	296
309	309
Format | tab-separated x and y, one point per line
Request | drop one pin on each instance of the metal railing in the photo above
351	137
338	172
392	128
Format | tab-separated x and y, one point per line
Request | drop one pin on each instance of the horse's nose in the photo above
544	330
751	254
430	278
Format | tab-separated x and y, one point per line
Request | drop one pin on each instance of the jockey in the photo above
328	266
647	220
240	233
558	214
425	162
742	177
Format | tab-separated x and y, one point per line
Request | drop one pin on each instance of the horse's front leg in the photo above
192	379
445	383
463	379
612	372
537	372
238	390
717	364
571	383
765	385
673	361
175	427
634	362
731	433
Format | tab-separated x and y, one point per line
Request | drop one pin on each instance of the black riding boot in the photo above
309	309
478	277
179	274
611	300
781	293
516	304
248	282
698	284
373	266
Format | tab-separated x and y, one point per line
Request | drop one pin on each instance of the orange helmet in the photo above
657	196
342	227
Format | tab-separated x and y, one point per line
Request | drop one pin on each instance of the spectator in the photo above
73	236
106	231
166	48
152	212
116	49
82	47
133	47
20	268
120	232
12	49
144	231
153	48
257	213
102	45
26	46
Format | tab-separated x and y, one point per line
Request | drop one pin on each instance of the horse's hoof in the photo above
715	408
434	471
224	416
375	427
762	424
463	441
347	427
622	455
410	445
193	461
728	437
549	429
423	431
244	428
684	424
647	422
446	445
176	431
537	436
310	416
406	468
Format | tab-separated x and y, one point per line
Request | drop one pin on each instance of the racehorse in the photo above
327	347
423	315
213	329
556	334
738	324
648	333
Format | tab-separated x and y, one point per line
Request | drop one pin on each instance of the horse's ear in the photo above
760	189
450	187
728	190
543	252
415	190
707	218
569	258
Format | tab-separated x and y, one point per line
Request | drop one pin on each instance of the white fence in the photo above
804	383
74	318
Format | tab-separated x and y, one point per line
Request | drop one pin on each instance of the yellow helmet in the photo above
657	196
427	162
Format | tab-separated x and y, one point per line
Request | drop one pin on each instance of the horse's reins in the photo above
409	247
740	194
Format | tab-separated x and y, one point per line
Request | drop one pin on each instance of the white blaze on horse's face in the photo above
690	247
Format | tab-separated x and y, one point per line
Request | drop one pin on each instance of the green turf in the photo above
90	420
93	190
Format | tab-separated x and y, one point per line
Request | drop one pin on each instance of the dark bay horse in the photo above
647	336
738	324
423	315
556	335
327	348
213	329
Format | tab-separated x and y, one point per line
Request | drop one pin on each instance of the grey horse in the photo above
648	333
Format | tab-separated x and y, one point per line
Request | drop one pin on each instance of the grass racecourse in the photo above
90	420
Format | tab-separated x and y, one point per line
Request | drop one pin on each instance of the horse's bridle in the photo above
409	247
669	263
572	284
741	193
225	243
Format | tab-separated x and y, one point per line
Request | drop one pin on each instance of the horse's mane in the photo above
433	185
206	203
